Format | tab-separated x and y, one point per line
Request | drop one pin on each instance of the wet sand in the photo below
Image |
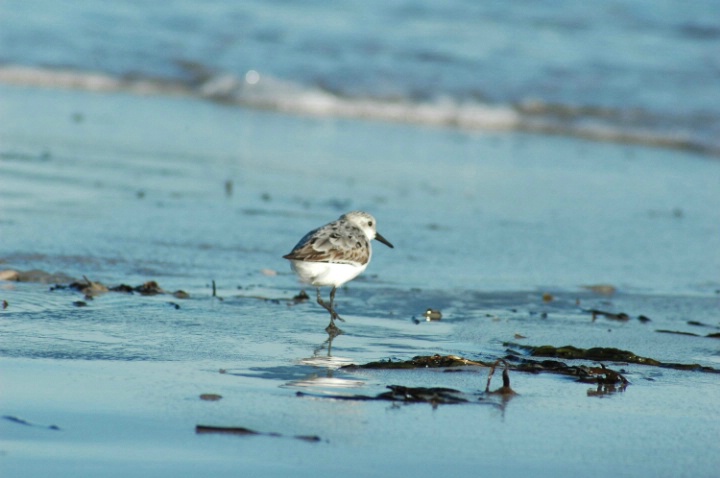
501	232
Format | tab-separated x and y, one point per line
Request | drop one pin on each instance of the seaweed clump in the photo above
419	361
91	289
606	354
242	431
432	395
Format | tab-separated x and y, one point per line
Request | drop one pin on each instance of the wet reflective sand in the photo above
500	232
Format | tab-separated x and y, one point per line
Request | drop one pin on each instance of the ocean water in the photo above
151	141
639	71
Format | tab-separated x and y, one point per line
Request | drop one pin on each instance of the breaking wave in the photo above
268	93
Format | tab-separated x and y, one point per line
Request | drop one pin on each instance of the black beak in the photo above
379	237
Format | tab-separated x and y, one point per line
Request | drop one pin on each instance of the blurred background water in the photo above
641	71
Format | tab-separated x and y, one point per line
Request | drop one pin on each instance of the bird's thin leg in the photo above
329	307
331	329
332	305
322	302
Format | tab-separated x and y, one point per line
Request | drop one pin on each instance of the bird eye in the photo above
370	223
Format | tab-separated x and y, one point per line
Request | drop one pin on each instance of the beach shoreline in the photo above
499	231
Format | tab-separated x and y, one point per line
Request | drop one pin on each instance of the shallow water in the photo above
124	189
526	211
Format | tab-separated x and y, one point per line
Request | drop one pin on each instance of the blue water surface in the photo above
639	71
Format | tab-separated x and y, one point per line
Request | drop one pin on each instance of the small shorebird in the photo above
334	254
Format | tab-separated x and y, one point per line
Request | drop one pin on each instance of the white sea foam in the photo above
254	90
87	81
29	76
291	98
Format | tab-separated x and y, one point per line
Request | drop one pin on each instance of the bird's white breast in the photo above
326	273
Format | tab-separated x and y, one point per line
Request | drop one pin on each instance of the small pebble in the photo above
433	314
210	397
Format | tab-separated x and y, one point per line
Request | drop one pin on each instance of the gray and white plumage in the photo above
337	252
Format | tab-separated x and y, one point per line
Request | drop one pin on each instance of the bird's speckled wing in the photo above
337	242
